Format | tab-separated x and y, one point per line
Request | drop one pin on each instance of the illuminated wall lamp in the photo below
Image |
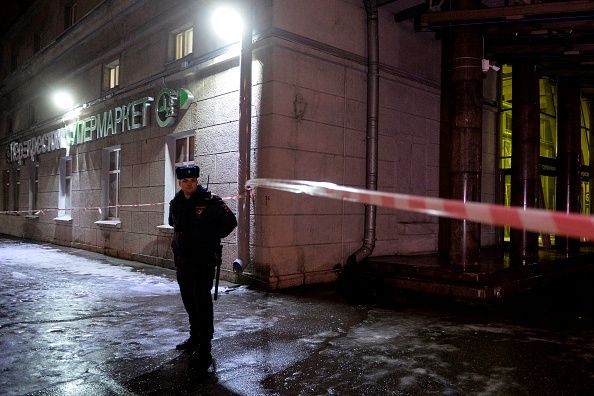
63	100
227	23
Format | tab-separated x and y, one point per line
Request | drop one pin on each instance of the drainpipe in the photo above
372	131
245	132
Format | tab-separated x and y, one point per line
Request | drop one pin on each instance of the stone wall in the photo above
309	119
313	127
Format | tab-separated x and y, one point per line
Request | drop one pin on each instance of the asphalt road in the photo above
79	323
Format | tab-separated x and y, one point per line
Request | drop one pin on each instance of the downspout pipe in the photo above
245	133
372	131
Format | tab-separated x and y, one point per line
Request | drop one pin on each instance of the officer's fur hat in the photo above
187	171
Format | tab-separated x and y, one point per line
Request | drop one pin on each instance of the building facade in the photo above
153	86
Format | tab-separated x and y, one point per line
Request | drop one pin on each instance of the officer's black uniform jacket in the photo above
199	223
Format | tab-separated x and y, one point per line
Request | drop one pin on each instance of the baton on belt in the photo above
219	261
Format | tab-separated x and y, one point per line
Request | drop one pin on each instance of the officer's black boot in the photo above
202	358
188	345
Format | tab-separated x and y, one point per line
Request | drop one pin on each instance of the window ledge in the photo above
109	223
165	229
63	219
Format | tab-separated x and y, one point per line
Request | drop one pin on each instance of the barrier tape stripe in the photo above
536	220
100	208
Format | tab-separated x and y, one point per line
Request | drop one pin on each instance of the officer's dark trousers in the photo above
195	279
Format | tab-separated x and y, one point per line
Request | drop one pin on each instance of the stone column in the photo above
568	153
525	174
466	138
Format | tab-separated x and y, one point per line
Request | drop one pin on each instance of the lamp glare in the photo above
63	100
227	23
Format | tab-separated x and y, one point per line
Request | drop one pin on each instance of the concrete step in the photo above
493	279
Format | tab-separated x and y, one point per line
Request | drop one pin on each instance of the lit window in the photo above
33	186
111	74
111	182
184	43
64	198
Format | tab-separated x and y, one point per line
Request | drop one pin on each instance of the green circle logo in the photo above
167	107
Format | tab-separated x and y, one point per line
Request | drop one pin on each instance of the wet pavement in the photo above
74	322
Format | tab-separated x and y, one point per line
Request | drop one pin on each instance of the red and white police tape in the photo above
537	220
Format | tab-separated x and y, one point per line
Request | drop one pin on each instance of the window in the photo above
184	43
14	58
33	186
180	151
16	187
546	189
36	42
184	150
65	192
32	114
111	182
111	74
5	189
184	155
7	127
70	15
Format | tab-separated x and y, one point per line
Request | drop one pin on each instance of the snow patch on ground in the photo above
52	259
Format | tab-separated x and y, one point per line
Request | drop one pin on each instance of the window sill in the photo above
63	219
180	64
109	223
165	229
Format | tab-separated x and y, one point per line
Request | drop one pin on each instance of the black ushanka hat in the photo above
187	171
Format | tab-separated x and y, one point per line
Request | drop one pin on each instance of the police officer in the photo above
199	220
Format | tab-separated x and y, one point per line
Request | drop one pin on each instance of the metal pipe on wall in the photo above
245	132
372	131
